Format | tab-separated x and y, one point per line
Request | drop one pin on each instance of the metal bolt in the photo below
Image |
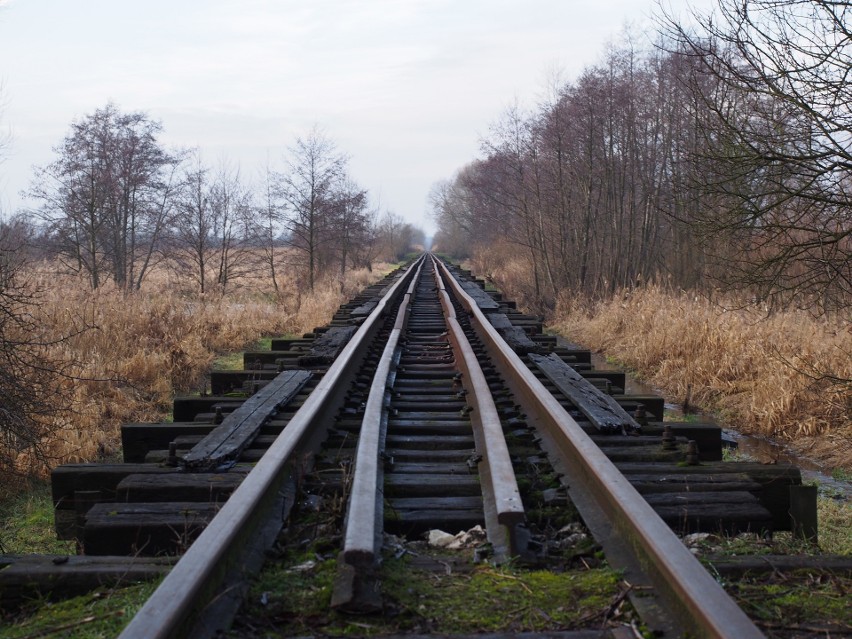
668	438
218	418
692	453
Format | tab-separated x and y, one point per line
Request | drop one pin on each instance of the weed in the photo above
802	599
841	474
26	524
96	615
129	353
482	599
770	376
835	525
735	455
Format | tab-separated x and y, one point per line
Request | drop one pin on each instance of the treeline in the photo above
720	157
116	202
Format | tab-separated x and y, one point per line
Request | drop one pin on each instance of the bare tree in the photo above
214	225
269	227
234	225
350	224
193	231
34	397
308	187
778	143
397	236
107	196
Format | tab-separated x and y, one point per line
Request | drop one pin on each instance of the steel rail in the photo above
361	538
499	482
700	604
199	572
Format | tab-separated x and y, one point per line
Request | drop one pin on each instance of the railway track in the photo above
427	404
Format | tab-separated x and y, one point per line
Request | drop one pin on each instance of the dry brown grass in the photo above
129	354
510	269
771	376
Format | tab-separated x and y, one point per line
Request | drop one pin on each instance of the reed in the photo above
126	355
785	375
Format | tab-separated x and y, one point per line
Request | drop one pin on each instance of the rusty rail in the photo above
702	607
171	609
599	490
500	487
360	540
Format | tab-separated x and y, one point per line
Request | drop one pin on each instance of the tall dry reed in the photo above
127	355
779	376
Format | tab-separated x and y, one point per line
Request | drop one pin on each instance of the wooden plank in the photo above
438	468
413	485
224	382
616	378
435	503
699	482
714	518
240	427
287	343
60	576
707	435
365	309
213	487
411	522
424	442
643	454
654	404
427	455
774	479
515	336
25	577
67	479
144	529
691	498
327	346
744	566
185	409
601	409
483	300
137	440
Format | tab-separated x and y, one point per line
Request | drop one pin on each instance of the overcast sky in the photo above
407	88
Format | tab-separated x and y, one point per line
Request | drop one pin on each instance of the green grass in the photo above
26	524
841	474
734	455
100	614
491	599
835	526
485	599
803	598
234	361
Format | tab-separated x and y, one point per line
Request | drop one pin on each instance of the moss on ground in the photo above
294	600
491	599
100	614
805	600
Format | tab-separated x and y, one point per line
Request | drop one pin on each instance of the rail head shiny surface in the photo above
678	576
175	601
